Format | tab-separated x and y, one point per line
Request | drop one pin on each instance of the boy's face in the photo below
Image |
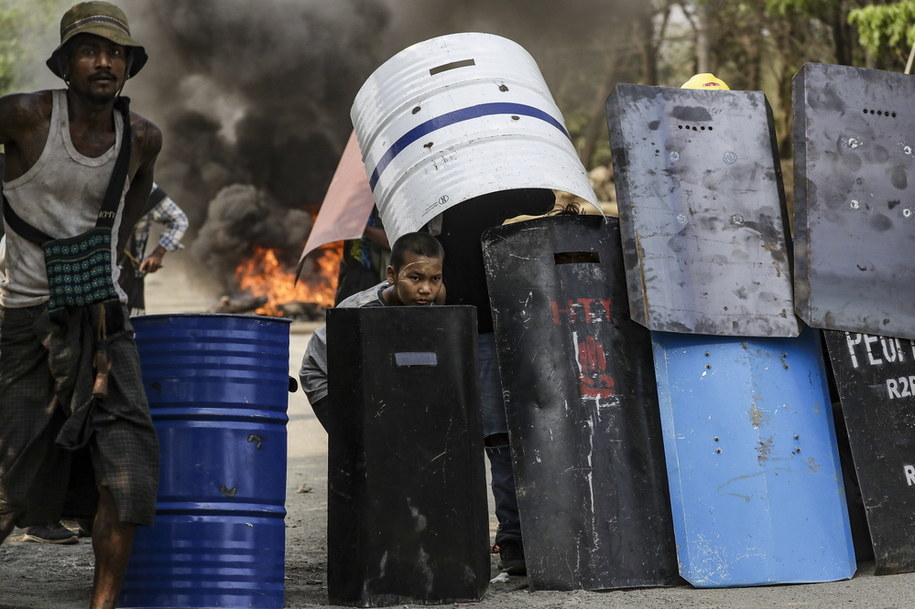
417	282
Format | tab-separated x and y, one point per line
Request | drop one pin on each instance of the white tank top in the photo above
60	195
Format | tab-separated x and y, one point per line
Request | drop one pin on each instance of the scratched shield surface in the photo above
457	117
854	135
755	480
407	518
875	377
581	407
702	211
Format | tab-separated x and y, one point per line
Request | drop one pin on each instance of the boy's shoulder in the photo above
366	298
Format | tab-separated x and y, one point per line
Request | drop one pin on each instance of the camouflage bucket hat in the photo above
102	19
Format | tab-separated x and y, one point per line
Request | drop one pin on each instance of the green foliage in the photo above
8	46
887	28
21	21
798	7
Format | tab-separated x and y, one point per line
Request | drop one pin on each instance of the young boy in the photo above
414	278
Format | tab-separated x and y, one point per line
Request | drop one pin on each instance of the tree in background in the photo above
21	23
751	44
761	44
887	32
583	72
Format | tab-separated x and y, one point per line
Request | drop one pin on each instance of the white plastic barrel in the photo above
456	117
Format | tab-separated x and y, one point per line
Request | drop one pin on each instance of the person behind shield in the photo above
414	278
79	169
459	229
364	259
705	80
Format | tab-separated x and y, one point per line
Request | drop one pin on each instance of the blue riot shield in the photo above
755	480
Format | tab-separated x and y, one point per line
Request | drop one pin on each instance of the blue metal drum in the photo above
218	389
753	467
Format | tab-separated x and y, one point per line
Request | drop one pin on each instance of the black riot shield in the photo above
854	199
702	211
875	378
581	405
407	505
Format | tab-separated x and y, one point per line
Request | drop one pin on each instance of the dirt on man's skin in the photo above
43	576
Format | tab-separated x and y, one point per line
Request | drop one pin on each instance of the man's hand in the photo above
153	262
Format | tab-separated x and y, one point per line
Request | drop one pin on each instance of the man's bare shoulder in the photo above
20	112
32	100
147	136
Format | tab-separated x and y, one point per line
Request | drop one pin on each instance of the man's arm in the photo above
173	217
313	372
24	125
147	142
377	236
313	377
12	114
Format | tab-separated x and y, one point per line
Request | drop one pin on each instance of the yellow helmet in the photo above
705	81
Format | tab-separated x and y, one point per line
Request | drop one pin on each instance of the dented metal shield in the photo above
755	480
581	407
854	135
875	377
457	117
702	211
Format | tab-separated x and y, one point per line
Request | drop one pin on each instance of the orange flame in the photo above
264	275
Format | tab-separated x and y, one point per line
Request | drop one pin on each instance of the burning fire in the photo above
264	275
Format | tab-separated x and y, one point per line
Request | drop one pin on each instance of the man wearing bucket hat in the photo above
79	169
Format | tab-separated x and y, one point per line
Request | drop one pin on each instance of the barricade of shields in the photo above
700	212
668	403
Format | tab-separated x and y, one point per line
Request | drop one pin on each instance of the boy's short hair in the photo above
419	243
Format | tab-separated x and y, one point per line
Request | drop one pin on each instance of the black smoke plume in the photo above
253	97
